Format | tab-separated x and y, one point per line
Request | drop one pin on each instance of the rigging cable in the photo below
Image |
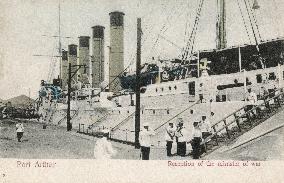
192	36
51	66
257	47
244	21
252	27
255	20
163	29
193	33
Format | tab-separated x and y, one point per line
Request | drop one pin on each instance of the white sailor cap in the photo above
180	120
146	124
105	131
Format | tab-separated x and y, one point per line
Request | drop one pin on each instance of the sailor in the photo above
19	130
169	136
145	140
181	134
251	99
196	140
205	127
103	148
263	93
276	95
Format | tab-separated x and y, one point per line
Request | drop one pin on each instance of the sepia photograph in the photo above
184	81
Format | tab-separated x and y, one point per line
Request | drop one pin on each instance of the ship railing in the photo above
260	109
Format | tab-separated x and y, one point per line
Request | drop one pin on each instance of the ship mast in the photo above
59	44
221	41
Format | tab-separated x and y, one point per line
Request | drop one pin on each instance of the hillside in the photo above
20	101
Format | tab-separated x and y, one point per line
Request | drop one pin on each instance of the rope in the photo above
164	28
191	41
252	27
244	20
255	20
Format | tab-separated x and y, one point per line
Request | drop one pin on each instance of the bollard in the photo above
79	127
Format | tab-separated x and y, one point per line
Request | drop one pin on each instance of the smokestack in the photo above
72	58
116	56
98	56
84	52
64	69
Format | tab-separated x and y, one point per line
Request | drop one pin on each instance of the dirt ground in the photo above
56	143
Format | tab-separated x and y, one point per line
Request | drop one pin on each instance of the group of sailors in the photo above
179	134
251	99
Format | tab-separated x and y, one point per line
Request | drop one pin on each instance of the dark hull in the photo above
224	61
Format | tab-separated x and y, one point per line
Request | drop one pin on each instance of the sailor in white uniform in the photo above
145	141
251	100
181	134
169	137
19	130
103	148
196	140
205	127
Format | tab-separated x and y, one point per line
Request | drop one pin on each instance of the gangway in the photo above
242	122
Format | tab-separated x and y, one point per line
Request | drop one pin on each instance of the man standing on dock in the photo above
205	127
19	130
145	141
181	135
196	140
103	148
169	136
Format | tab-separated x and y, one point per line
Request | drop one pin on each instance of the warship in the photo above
194	83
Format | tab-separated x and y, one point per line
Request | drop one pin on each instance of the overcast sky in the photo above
23	22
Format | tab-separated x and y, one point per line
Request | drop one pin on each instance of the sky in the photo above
24	22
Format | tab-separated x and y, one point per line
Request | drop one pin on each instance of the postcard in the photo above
141	91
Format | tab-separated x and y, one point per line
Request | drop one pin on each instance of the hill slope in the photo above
20	101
